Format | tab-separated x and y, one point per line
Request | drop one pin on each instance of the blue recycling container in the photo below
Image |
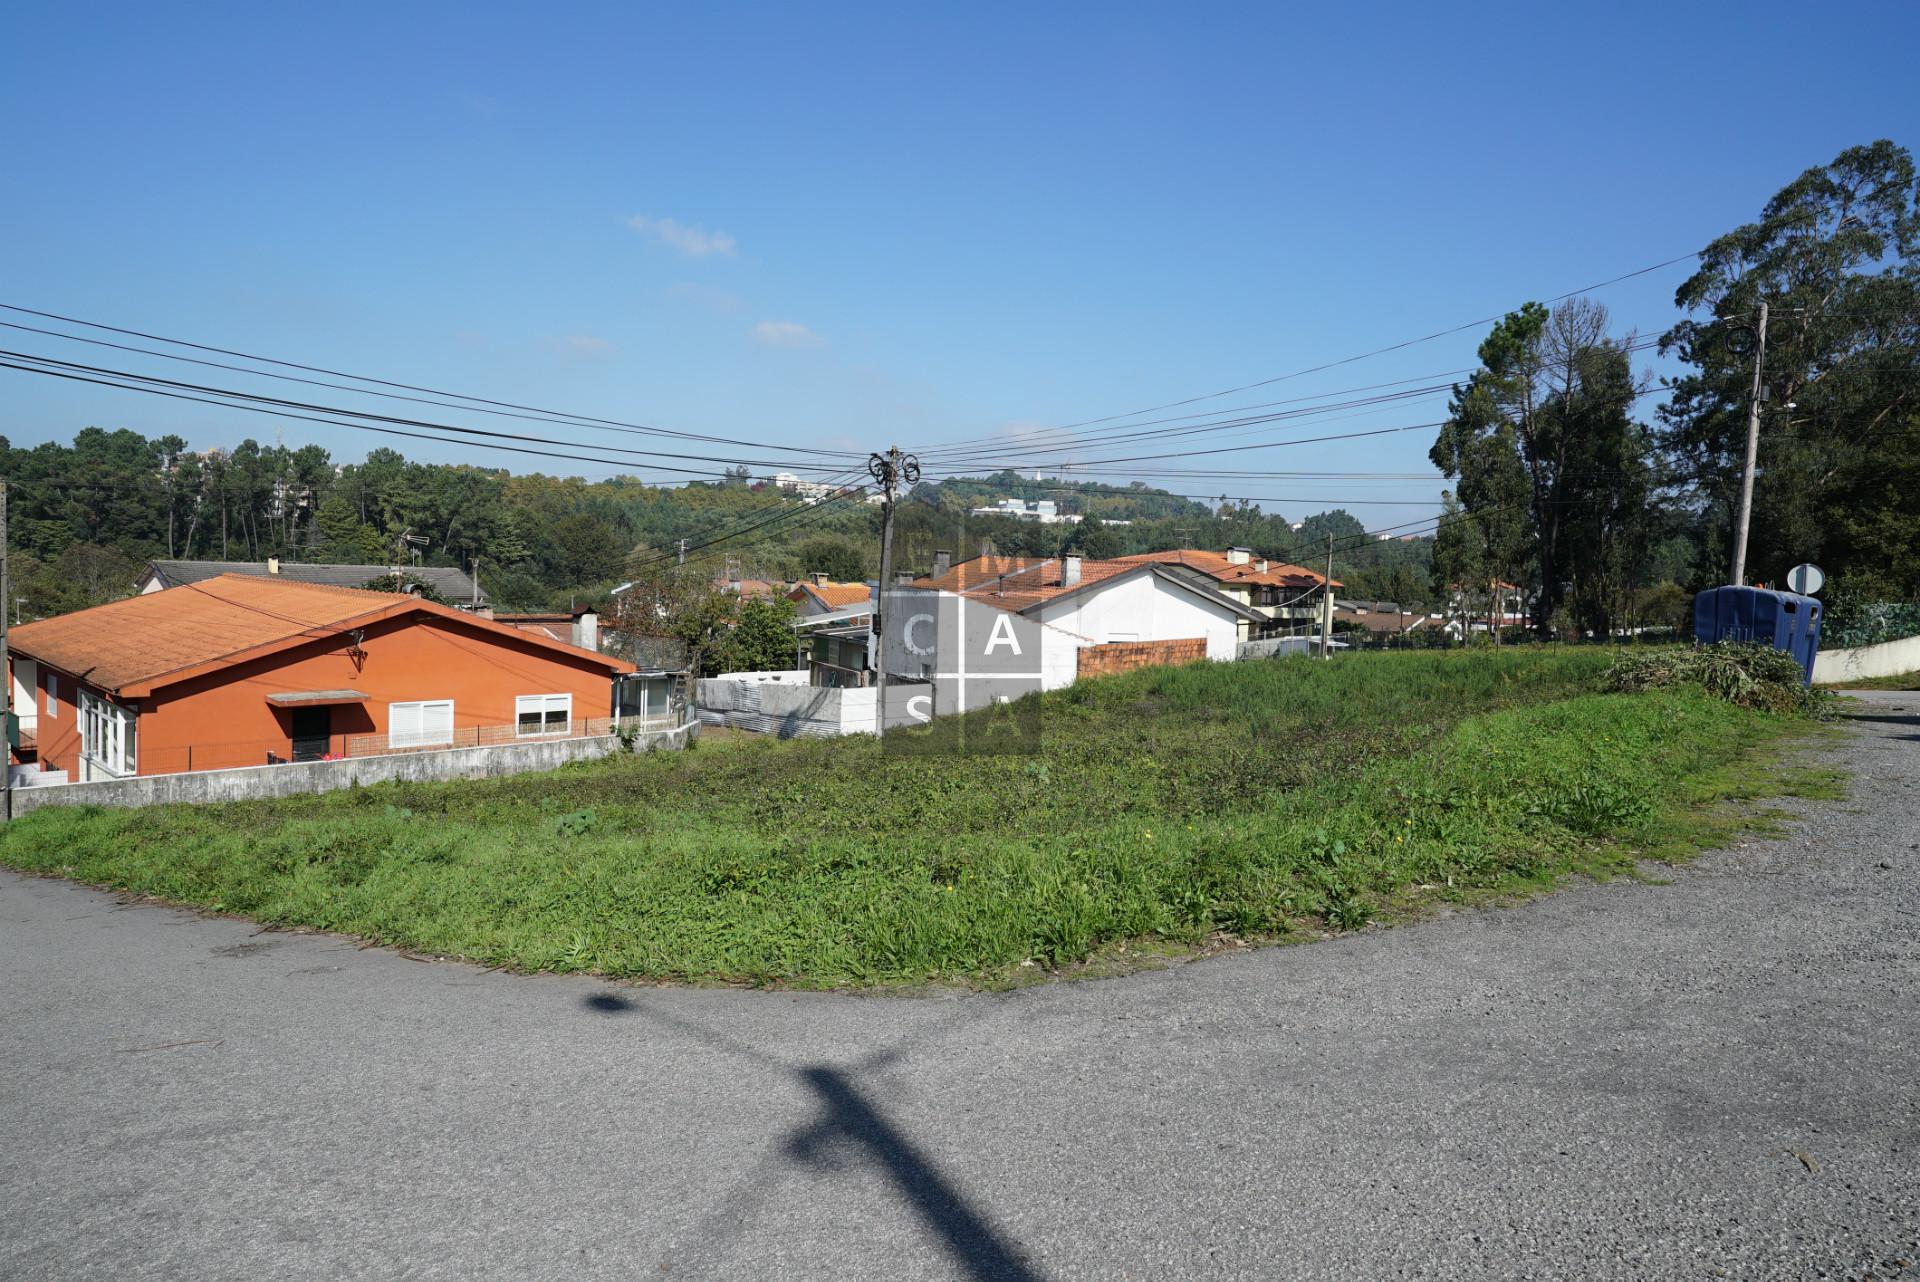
1784	620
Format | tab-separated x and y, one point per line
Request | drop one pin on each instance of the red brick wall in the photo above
1125	656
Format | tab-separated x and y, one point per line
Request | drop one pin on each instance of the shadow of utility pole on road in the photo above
969	1238
850	1120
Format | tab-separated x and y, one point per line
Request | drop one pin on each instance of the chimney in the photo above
1263	565
942	561
1069	571
903	578
819	577
273	565
1239	556
586	630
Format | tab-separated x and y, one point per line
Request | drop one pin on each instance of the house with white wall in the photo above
1109	602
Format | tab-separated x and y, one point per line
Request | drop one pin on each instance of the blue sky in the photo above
849	226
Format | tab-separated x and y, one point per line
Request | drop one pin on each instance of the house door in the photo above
312	733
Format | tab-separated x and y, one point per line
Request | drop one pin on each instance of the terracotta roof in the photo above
835	596
1027	588
1278	574
134	646
976	571
749	587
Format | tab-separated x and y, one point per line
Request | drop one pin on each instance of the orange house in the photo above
245	671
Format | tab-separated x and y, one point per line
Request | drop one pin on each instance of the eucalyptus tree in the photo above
1835	255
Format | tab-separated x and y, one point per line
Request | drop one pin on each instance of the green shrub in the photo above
1749	676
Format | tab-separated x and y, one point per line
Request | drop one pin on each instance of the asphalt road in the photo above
1711	1078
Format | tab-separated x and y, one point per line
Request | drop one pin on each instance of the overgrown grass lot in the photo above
1165	812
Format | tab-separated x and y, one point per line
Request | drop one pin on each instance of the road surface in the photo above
1709	1078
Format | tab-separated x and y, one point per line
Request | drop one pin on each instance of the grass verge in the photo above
1166	812
1899	681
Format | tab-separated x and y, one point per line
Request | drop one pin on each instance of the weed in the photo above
1163	806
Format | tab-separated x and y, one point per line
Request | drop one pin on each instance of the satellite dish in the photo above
1806	579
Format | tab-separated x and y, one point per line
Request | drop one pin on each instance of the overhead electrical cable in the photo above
378	382
556	417
1349	360
278	406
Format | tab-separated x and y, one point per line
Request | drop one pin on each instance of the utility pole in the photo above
1326	605
889	469
683	551
1745	514
6	670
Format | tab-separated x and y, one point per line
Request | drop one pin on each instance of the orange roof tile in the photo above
835	596
136	645
1041	582
1279	574
976	571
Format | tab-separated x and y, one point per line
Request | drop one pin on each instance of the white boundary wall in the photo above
1888	659
790	711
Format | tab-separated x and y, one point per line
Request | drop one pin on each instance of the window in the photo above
646	698
535	714
426	724
106	735
53	696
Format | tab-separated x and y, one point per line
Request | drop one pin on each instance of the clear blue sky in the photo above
855	225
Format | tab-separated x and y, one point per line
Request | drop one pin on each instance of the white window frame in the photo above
546	705
420	735
51	683
108	736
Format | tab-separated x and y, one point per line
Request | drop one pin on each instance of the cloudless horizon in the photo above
848	227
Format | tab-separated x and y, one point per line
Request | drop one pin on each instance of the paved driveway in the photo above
1713	1078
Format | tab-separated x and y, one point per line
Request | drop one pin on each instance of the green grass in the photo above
1166	811
1899	681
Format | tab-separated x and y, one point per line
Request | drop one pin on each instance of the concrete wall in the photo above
252	783
1888	659
1145	607
790	711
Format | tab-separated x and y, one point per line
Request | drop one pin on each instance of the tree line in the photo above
85	516
1609	516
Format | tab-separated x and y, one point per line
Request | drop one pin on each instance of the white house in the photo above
1115	601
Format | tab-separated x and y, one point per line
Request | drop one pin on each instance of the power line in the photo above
1378	351
378	382
1189	427
556	417
368	427
808	514
1090	466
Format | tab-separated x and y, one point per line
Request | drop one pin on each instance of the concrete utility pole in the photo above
1326	605
683	552
1745	514
890	469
